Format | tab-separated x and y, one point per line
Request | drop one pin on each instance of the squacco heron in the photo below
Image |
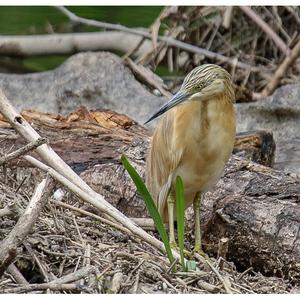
194	140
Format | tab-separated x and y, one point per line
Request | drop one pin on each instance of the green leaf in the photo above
191	265
143	191
180	218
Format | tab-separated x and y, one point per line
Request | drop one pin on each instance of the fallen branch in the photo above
16	274
168	40
267	29
147	76
281	70
69	43
24	225
22	151
50	286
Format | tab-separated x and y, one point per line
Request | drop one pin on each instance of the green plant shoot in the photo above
143	191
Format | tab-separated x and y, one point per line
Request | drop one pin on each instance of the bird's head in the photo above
202	83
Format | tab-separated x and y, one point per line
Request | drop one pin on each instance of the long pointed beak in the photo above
178	98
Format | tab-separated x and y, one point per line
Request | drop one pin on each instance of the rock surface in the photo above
93	79
101	80
280	113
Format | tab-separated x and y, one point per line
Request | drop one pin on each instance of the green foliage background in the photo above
19	20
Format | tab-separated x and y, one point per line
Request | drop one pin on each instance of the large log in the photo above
255	206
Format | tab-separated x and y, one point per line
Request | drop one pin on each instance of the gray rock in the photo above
92	79
280	113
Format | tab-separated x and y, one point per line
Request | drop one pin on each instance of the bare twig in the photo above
168	40
106	221
11	210
281	70
227	17
24	224
77	275
222	250
147	76
43	267
267	29
220	277
17	275
23	150
45	286
69	43
116	282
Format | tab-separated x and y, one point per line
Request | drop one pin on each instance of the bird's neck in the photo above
197	117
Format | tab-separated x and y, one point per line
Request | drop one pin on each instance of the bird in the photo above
193	139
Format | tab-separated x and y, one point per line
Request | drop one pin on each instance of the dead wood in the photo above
17	275
254	206
257	146
257	209
9	245
22	151
266	28
281	71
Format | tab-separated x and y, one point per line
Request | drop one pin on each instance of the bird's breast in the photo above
205	134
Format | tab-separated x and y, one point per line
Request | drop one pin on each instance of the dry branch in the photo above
147	76
17	275
48	286
22	151
267	29
281	71
168	40
9	245
69	43
10	210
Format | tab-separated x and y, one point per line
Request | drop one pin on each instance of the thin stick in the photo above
24	224
222	251
147	76
23	150
17	275
9	210
168	40
281	71
266	28
222	280
106	221
46	286
227	17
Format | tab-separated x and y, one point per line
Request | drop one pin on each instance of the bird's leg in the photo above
171	201
196	206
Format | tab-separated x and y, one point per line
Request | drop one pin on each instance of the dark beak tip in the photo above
176	99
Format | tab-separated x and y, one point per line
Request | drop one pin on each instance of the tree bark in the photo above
256	207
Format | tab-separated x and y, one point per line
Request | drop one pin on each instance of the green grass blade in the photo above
180	218
143	191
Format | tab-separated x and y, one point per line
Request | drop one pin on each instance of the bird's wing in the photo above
163	159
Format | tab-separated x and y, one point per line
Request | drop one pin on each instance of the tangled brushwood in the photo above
251	43
70	250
